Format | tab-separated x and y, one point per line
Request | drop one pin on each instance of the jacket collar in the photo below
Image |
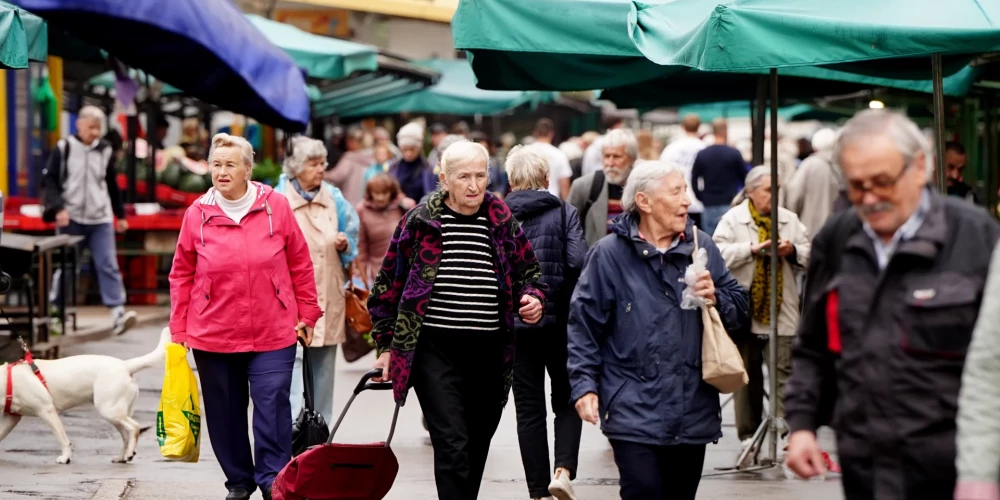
430	212
627	227
323	198
210	206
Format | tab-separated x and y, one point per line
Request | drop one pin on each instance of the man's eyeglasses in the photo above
881	186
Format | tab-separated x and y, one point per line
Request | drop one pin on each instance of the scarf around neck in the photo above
760	289
307	195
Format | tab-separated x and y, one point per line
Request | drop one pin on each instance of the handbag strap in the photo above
308	390
353	269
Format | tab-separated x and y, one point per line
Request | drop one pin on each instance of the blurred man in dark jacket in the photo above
553	228
894	287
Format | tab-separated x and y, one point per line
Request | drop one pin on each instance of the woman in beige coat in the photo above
329	224
745	239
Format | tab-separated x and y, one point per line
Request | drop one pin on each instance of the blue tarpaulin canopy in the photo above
206	48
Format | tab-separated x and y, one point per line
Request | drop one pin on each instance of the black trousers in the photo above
539	350
650	472
459	382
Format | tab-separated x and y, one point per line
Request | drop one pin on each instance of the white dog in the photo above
103	380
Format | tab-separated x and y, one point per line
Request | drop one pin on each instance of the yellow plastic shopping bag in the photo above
178	420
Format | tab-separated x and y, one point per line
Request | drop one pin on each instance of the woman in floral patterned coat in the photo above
457	271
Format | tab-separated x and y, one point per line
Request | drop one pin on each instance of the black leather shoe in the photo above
239	494
266	492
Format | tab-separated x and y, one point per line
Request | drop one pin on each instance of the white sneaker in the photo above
560	487
125	321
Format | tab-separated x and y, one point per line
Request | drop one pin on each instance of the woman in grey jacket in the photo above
978	459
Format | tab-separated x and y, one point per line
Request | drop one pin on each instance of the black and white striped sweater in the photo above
466	293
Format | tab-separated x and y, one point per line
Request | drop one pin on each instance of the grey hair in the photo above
447	142
645	177
92	113
463	153
527	169
905	135
223	140
621	137
303	149
754	180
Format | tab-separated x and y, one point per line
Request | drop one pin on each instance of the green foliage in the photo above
267	171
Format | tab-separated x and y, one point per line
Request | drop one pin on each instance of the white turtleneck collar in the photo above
237	209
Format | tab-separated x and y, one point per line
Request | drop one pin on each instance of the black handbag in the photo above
309	428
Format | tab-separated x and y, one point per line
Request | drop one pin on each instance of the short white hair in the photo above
645	177
463	153
621	137
223	140
92	113
823	139
527	168
905	135
303	149
446	143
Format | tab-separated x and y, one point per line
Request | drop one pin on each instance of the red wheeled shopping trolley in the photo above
342	471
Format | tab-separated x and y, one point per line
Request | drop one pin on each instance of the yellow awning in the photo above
428	10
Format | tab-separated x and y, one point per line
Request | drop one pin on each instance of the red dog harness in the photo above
10	379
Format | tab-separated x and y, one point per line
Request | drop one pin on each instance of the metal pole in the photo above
772	364
758	130
152	138
990	158
937	77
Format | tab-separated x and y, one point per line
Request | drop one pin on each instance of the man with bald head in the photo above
681	154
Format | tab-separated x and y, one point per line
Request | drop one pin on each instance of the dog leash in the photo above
30	361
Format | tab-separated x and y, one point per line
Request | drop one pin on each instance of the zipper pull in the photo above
607	415
628	307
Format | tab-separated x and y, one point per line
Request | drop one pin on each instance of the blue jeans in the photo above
228	382
100	239
711	216
324	364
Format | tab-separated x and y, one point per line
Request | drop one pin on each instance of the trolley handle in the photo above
365	384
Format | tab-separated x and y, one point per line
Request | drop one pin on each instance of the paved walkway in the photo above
28	469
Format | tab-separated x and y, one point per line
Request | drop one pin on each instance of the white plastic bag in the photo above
689	300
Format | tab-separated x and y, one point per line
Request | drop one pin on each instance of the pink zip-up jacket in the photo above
241	287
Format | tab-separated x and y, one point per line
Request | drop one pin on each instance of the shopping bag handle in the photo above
308	384
367	385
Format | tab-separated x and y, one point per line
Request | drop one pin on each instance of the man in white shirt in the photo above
681	153
559	169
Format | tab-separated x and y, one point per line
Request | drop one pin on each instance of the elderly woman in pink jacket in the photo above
241	290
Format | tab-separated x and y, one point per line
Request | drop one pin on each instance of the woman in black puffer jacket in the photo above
553	228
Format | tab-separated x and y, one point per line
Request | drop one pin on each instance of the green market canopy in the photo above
23	37
319	56
887	38
455	93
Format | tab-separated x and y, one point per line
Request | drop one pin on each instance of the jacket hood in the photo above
430	211
526	204
209	206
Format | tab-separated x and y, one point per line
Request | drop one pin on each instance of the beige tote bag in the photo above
721	363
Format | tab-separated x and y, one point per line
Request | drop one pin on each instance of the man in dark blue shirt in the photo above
717	176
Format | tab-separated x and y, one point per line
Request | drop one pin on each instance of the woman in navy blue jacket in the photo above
634	354
553	228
